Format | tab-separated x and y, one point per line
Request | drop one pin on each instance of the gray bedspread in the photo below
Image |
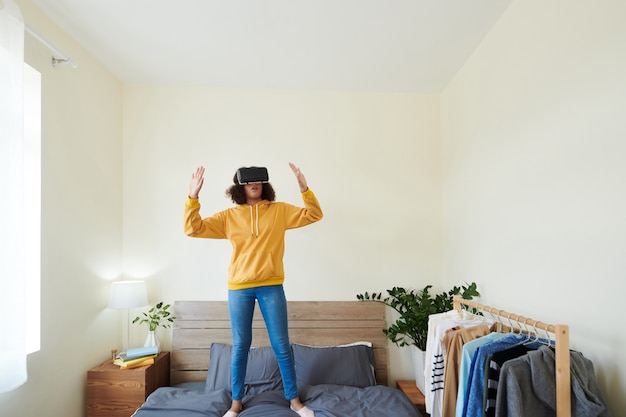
326	400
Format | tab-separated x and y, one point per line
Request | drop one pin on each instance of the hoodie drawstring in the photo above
252	221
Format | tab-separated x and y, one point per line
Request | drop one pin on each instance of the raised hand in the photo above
299	176
195	185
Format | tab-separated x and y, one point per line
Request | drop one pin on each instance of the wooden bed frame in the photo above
318	323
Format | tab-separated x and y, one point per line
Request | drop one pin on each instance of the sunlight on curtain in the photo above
12	281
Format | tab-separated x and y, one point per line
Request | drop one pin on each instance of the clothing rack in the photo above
562	350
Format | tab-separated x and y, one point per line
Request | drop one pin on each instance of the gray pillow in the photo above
262	373
340	365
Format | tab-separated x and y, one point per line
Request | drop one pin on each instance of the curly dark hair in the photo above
237	192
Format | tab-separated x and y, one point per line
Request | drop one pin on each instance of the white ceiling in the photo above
363	45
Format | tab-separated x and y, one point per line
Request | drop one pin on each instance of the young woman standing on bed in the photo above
256	228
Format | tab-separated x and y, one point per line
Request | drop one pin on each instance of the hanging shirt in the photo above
476	388
453	342
527	386
493	373
465	375
438	361
433	319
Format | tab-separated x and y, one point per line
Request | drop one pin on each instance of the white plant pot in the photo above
152	340
419	360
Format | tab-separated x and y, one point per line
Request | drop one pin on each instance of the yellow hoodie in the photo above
257	234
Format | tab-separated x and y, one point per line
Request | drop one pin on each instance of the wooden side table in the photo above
113	392
409	389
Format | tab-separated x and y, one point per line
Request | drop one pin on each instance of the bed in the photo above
339	350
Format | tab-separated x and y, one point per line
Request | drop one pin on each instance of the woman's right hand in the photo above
195	185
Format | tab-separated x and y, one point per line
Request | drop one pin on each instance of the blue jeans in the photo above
273	306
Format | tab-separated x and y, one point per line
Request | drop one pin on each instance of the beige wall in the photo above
533	173
81	225
371	159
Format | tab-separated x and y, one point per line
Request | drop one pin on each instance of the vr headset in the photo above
252	175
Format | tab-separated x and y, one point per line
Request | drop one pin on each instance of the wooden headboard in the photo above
318	323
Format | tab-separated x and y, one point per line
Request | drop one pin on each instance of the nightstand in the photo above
409	389
113	392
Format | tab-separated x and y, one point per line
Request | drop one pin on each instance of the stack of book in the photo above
136	357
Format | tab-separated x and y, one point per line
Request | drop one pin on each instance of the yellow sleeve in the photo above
195	226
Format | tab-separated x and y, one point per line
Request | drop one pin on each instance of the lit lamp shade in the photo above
128	294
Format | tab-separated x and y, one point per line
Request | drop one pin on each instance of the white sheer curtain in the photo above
12	281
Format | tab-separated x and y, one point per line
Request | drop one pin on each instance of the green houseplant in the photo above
157	316
414	308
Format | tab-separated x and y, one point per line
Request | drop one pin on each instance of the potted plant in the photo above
157	316
414	308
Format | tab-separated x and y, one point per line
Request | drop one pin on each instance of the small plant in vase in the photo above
157	316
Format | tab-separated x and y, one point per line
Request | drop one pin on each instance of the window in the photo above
20	200
20	213
32	205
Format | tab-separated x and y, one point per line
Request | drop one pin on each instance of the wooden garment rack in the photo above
562	350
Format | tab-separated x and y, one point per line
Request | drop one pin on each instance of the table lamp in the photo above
127	295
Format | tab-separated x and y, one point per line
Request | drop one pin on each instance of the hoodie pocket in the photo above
252	267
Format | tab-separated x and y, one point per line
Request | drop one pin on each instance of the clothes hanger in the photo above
548	341
531	336
511	327
523	331
496	322
471	313
496	315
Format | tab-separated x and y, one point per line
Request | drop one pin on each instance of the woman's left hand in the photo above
300	177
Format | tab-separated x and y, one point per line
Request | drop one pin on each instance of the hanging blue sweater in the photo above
476	389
